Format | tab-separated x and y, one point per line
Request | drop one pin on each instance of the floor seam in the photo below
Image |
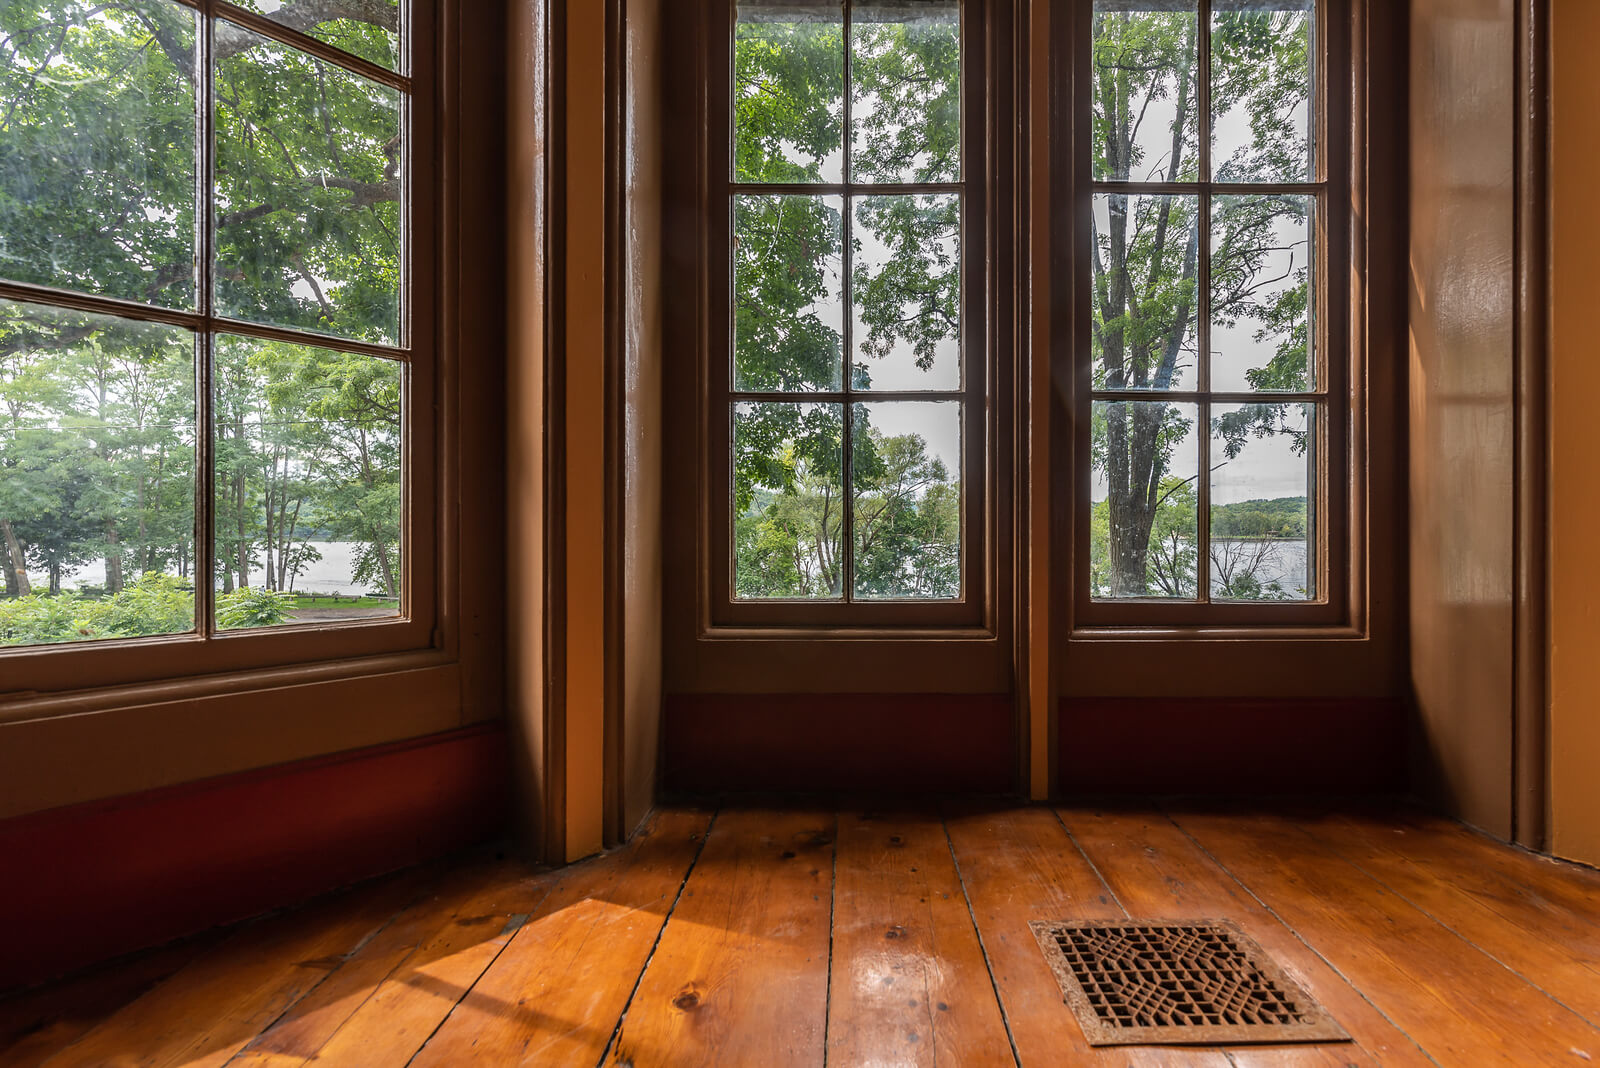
833	899
994	984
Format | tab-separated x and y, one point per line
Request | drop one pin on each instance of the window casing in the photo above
373	337
1256	188
949	393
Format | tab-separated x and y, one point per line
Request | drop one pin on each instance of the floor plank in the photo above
907	970
741	973
554	995
1458	1004
1017	866
206	1012
1156	871
409	1005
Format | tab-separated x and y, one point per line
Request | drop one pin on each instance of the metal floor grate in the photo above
1134	982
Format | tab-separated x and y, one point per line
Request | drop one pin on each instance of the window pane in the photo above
1261	77
788	91
1146	58
97	148
1263	305
1143	530
906	290
308	484
1263	530
788	500
369	29
1146	265
97	477
309	179
788	279
905	108
905	465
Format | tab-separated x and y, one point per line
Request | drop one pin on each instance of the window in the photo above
1211	430
847	391
212	354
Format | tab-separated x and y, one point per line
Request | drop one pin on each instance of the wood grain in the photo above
555	994
741	974
1455	1001
906	961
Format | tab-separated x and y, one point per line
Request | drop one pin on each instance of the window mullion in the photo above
205	342
847	524
1202	569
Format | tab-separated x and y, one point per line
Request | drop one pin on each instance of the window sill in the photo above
1229	633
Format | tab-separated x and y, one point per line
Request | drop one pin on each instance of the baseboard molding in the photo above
881	743
1231	747
89	882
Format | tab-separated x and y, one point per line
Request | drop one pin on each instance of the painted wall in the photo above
1575	474
1462	294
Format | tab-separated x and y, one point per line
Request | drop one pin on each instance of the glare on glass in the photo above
310	176
905	467
1261	90
1143	522
905	288
788	91
1146	85
788	501
1263	516
370	30
97	149
788	293
1263	302
1146	292
97	477
308	480
905	78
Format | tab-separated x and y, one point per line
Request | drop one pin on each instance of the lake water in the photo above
331	574
1283	562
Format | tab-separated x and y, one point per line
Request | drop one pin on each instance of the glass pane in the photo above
308	484
97	437
905	76
368	28
97	148
1263	529
1142	519
788	285
788	500
309	180
905	465
1261	79
906	292
1146	306
788	91
1263	303
1146	117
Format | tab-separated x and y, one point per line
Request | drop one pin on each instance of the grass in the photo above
323	600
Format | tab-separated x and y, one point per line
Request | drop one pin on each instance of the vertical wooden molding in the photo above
1035	638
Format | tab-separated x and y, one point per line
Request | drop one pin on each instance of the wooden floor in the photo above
795	936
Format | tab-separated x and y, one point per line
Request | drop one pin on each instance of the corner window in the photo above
848	390
211	346
1211	436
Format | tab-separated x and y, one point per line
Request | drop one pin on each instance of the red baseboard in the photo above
89	882
902	743
1221	747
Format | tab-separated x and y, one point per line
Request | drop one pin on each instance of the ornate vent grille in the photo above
1133	982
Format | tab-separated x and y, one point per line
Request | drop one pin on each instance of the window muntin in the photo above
1211	390
301	173
848	203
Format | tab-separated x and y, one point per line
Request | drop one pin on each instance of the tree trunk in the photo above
16	565
113	558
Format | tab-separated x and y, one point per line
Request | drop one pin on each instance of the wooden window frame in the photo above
426	623
1337	357
975	609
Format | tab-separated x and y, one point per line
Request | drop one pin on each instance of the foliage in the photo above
252	608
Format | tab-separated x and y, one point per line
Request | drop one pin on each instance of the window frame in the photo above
424	615
1338	358
722	612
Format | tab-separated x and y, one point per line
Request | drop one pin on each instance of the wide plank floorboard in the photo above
864	933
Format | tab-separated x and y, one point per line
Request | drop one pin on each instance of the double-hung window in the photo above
213	354
846	382
1212	394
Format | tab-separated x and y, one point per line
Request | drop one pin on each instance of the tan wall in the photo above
1463	94
1575	463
